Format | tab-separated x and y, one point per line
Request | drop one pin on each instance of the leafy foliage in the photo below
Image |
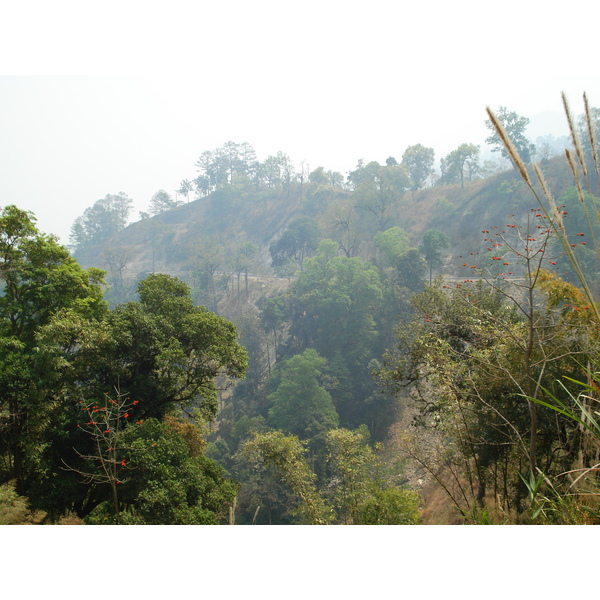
101	221
168	480
300	405
298	241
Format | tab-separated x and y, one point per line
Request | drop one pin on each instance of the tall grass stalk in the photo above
582	408
545	199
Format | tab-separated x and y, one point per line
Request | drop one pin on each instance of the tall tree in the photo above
185	188
162	202
286	456
515	126
300	404
298	241
163	353
464	158
379	190
101	221
432	244
419	161
344	226
39	280
391	243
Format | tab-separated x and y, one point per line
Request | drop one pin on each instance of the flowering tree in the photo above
105	421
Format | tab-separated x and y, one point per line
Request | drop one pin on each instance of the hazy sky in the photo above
125	96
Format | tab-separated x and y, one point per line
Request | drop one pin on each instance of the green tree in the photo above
101	221
353	466
419	161
298	241
286	457
185	188
244	254
344	226
208	256
319	177
167	480
39	280
272	318
169	351
332	307
378	191
410	271
300	404
515	126
391	506
432	243
391	243
163	352
334	301
162	202
464	158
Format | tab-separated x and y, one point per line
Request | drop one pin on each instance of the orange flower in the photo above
125	415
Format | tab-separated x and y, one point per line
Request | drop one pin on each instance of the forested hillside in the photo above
386	347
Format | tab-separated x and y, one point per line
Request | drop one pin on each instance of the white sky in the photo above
125	96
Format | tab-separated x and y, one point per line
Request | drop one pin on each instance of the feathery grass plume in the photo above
563	237
592	135
556	215
575	172
574	136
510	147
556	220
581	194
